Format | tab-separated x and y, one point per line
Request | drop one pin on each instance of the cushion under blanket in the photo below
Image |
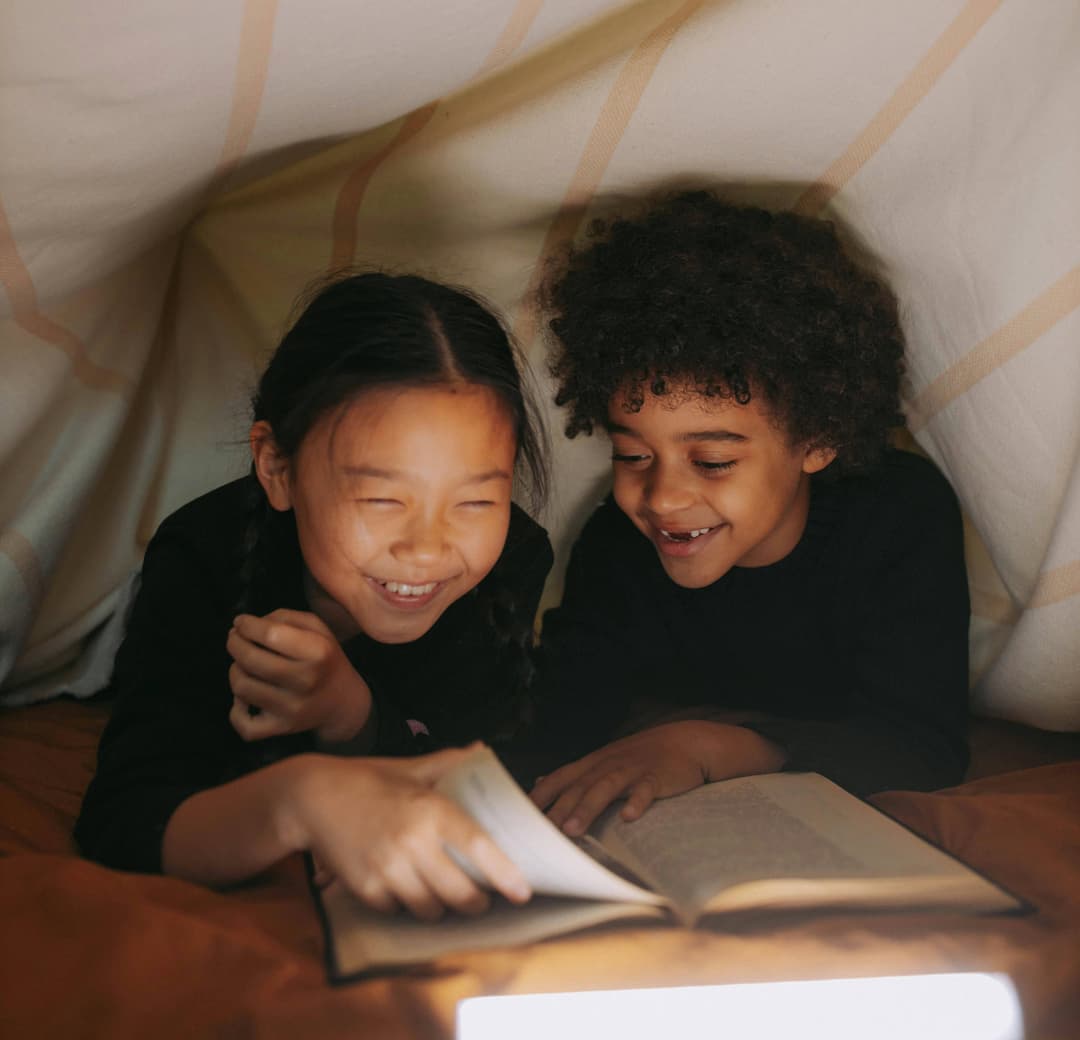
92	952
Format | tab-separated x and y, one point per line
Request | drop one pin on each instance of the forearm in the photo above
865	754
233	832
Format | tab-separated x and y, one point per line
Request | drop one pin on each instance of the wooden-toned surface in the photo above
95	953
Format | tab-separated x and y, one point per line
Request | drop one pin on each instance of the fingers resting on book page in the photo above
656	763
379	827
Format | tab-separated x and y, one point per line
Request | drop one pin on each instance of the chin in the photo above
696	578
396	634
400	630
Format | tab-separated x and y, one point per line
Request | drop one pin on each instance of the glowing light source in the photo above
959	1006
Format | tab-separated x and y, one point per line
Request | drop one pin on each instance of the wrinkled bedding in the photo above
92	952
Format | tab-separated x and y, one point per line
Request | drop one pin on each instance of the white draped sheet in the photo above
171	175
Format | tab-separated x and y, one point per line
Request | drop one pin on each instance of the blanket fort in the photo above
167	192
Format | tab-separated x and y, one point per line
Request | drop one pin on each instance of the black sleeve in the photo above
490	664
905	724
590	665
168	736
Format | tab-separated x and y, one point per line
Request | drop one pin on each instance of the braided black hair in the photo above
363	331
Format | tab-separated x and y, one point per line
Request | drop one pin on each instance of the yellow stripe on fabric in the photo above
24	308
1037	318
919	82
1055	586
350	198
252	68
607	132
17	548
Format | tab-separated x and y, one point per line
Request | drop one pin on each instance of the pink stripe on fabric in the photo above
350	198
512	37
1037	318
1056	585
999	609
918	83
1052	587
611	123
18	548
256	35
20	290
252	69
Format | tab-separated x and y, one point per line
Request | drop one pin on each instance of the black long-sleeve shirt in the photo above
169	735
854	646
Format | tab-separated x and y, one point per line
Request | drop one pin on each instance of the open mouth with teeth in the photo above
399	588
401	593
683	543
685	536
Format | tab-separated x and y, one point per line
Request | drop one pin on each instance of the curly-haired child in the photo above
769	586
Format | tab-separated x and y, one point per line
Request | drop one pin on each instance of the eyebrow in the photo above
393	474
693	436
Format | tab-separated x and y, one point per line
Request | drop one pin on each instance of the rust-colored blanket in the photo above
91	952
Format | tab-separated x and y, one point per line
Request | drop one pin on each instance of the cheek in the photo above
626	488
483	543
339	535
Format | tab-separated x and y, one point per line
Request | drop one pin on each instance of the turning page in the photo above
360	939
552	862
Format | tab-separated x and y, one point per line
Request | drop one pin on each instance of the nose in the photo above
666	491
422	542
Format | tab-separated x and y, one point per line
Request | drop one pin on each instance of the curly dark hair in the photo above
728	301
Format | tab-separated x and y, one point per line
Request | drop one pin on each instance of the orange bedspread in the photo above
90	952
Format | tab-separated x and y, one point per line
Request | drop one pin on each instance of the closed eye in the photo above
478	503
617	457
705	464
381	501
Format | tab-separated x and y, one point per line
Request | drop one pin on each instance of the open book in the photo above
758	843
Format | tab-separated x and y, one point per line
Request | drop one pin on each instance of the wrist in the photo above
727	750
298	779
353	720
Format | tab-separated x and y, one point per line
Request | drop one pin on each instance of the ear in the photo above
816	459
271	467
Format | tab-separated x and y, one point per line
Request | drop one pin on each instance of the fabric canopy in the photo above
172	175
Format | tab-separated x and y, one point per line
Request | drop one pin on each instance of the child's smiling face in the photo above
402	504
711	483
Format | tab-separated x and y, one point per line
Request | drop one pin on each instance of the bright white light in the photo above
962	1006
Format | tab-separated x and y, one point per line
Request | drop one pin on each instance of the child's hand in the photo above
378	826
290	666
655	763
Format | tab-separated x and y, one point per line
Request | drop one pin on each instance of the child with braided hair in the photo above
367	592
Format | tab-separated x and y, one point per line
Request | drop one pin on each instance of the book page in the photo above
752	830
366	940
550	861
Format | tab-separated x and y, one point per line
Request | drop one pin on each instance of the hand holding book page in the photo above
780	840
552	864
